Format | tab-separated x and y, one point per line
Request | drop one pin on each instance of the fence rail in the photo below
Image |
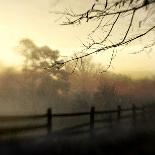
49	117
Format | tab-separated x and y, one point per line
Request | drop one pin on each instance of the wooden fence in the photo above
50	116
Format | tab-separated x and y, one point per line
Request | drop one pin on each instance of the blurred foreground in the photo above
122	138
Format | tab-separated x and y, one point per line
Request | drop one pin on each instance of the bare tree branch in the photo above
113	12
129	26
103	48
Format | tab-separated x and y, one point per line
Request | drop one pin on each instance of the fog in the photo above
33	89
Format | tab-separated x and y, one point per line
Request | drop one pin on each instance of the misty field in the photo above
77	77
116	138
122	115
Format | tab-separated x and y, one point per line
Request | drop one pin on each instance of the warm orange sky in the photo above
31	19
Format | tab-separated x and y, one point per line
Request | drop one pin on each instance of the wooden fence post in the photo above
143	113
49	120
119	113
92	114
133	113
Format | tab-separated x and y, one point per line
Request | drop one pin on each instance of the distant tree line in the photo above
33	88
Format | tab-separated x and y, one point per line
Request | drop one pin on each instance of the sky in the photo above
32	19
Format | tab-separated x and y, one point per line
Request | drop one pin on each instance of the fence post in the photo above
143	113
92	114
49	120
119	113
133	113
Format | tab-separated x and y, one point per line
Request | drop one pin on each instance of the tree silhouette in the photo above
36	58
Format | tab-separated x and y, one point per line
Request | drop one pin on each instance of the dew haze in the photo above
47	68
32	89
